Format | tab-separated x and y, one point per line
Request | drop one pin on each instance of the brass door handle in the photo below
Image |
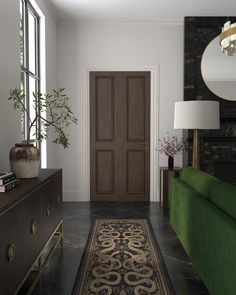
11	252
33	227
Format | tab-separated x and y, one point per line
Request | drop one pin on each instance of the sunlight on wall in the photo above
42	74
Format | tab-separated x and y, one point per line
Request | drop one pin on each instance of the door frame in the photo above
154	119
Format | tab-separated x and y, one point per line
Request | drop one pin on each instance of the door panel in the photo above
135	108
119	136
136	172
104	171
104	97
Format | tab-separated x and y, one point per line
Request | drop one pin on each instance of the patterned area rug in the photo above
122	258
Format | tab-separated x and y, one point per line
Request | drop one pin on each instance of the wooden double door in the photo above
119	136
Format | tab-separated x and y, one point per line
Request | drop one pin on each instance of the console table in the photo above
30	217
165	178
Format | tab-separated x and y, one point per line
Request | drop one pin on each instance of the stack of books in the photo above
8	181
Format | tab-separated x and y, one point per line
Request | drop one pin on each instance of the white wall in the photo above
10	75
104	44
51	69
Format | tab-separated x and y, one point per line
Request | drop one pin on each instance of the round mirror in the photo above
219	71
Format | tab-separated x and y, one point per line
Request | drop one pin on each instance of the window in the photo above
30	63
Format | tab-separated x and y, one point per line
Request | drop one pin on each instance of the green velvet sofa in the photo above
203	215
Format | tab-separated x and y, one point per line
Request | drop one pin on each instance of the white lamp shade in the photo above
197	114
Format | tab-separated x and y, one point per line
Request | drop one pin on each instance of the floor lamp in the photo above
196	115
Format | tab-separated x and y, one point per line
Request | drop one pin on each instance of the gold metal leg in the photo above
42	264
39	263
62	233
39	270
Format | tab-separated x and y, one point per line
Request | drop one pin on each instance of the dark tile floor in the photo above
62	268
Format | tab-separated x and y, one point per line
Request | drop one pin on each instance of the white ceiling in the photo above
160	11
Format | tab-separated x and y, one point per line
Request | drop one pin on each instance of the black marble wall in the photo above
217	146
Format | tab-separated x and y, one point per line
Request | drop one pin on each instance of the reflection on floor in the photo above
61	270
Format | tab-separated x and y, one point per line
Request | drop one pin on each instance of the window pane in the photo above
32	89
23	116
32	42
21	33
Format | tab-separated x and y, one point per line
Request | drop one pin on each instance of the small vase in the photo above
25	160
170	163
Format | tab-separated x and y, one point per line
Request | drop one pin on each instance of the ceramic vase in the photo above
170	163
25	160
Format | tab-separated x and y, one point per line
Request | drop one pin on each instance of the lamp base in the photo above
196	149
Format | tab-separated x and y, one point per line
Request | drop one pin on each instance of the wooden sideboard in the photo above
30	216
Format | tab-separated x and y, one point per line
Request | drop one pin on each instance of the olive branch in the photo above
58	114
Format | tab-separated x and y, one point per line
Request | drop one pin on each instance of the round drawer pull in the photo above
11	252
48	212
33	227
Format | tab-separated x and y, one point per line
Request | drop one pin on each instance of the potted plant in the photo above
51	111
171	145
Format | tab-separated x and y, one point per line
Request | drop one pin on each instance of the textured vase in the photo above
170	163
25	160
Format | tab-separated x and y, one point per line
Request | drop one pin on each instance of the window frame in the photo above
27	8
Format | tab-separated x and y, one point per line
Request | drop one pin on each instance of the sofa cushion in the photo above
198	180
223	195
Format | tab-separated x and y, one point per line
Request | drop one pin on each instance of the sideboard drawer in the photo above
24	231
35	232
11	251
52	203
